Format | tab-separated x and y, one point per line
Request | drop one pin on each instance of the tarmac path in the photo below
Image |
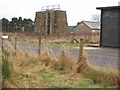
103	57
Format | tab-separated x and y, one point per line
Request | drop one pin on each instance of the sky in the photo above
76	10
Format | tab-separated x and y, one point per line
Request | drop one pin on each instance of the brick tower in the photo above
51	20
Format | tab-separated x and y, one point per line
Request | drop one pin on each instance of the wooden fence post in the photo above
72	39
81	49
2	45
39	45
15	47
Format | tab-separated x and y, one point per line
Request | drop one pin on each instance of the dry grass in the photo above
58	41
108	77
29	66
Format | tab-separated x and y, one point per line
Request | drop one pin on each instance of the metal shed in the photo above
110	26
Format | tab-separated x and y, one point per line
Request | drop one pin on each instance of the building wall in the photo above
83	31
40	22
51	22
109	34
95	35
62	22
87	33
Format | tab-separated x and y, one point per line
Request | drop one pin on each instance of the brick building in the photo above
88	30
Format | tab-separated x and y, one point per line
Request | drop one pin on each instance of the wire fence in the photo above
34	43
28	42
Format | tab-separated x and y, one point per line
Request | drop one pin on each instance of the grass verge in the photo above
41	71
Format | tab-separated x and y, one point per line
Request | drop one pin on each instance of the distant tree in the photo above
96	17
16	24
28	24
19	23
31	23
13	24
5	23
24	22
14	20
20	19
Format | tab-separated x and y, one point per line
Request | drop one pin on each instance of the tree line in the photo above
17	25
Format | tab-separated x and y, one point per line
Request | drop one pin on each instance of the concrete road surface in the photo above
105	57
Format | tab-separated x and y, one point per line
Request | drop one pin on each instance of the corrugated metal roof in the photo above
110	7
92	25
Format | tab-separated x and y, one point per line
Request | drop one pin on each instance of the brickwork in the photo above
51	22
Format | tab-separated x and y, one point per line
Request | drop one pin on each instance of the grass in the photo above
6	65
69	44
44	71
85	83
53	79
32	70
103	76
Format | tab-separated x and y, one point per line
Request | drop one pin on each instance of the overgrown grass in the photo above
68	44
105	77
6	65
7	68
53	79
85	83
45	70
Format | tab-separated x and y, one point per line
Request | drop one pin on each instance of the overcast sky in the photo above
77	10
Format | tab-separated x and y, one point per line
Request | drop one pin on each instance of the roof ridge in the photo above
91	21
